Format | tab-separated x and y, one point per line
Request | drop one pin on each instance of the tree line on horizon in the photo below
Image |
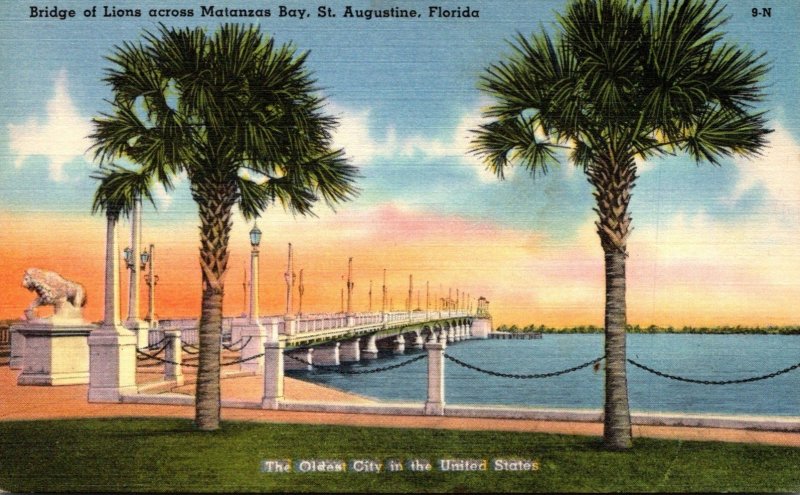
718	330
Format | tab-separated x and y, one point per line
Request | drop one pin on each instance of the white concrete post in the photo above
451	334
173	370
112	347
399	345
370	350
328	354
434	406
349	352
273	375
254	337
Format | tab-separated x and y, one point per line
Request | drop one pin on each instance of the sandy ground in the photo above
41	402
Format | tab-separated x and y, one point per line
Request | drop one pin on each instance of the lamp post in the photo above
289	276
370	297
255	241
383	301
300	290
148	258
350	286
410	294
133	262
427	300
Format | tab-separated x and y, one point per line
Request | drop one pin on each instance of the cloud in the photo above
776	172
364	144
60	138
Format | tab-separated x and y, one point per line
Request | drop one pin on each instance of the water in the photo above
709	357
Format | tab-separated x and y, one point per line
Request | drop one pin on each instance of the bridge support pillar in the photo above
481	328
273	375
173	368
327	355
434	406
399	345
253	339
306	357
370	350
419	342
350	351
451	335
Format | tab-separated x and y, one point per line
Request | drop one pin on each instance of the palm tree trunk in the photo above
617	418
613	181
215	204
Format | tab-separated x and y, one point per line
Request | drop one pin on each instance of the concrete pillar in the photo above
253	339
290	325
306	357
349	352
173	353
273	375
442	336
273	329
370	350
17	349
432	337
481	328
327	355
434	406
451	334
399	345
418	342
112	347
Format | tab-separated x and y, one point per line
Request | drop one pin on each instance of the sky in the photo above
711	245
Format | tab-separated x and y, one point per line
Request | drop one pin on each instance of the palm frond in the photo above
119	190
722	132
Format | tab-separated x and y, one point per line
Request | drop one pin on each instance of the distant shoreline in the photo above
653	329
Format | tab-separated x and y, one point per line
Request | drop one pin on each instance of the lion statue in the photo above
52	289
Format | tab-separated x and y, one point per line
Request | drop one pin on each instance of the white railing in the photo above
308	323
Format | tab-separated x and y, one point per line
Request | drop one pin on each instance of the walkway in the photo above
19	403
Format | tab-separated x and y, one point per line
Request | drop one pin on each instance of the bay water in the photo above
703	357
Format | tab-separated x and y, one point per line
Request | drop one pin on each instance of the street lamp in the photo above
255	240
147	258
255	237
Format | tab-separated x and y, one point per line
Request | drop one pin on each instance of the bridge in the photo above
332	339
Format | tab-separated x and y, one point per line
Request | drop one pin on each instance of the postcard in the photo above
371	246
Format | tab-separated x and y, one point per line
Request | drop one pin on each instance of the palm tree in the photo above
241	118
621	80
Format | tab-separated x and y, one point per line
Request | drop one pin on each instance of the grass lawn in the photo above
89	455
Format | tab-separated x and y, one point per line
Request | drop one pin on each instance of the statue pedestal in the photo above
55	353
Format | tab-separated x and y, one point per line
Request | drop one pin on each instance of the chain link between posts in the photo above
523	377
714	382
169	361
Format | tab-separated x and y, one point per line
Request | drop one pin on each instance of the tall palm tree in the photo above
622	80
243	120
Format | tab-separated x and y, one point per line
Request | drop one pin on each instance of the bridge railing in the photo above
314	322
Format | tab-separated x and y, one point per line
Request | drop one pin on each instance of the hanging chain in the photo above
230	347
714	382
523	377
169	361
